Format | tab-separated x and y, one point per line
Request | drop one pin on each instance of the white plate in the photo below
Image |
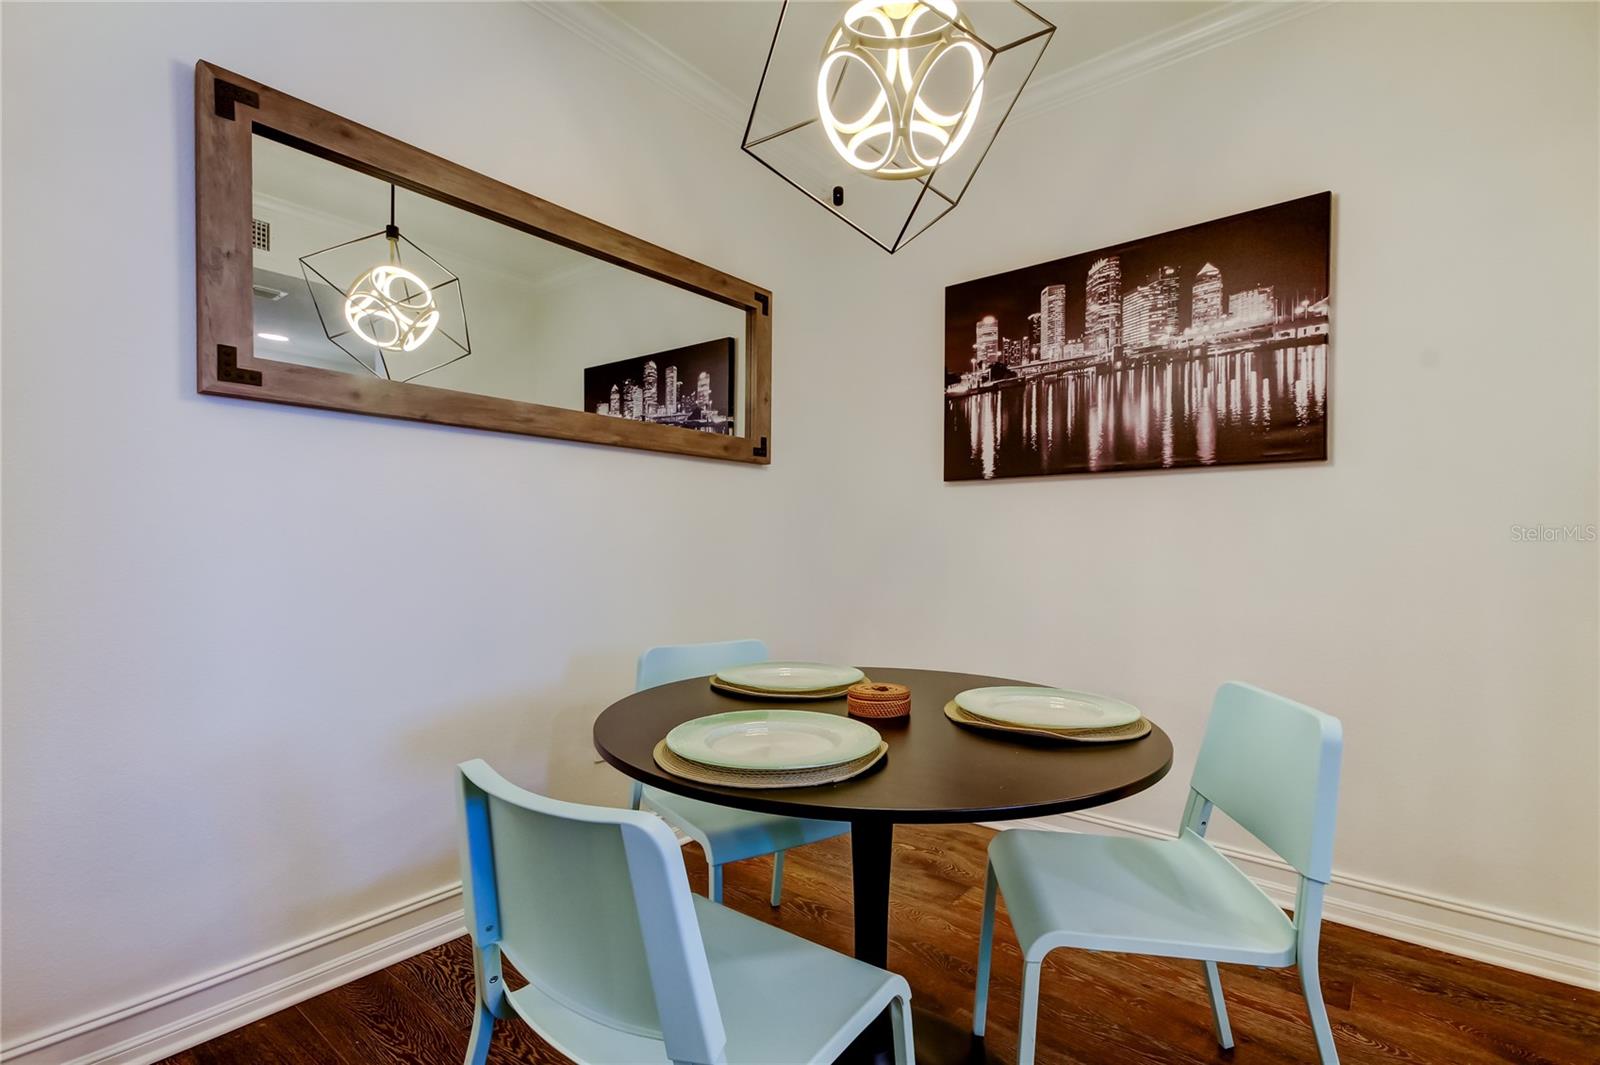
1047	707
773	739
791	676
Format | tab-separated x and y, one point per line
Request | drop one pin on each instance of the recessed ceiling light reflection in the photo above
279	337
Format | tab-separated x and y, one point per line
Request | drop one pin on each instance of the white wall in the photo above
225	730
1385	586
223	733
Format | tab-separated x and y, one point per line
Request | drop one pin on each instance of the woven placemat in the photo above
1132	731
767	693
760	778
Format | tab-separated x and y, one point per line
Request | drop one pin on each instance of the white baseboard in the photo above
182	1016
185	1015
1499	937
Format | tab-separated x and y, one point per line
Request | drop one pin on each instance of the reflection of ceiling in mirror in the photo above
287	328
336	199
535	314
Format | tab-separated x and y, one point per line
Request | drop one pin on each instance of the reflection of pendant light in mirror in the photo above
389	306
906	50
394	307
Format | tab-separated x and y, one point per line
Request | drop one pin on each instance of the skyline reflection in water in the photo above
1259	405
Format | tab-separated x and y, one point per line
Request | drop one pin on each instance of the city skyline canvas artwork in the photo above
690	387
1203	346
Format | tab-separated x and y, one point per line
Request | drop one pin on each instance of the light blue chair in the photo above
724	834
624	965
1267	762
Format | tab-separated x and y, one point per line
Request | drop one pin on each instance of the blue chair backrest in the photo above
1272	765
592	905
663	665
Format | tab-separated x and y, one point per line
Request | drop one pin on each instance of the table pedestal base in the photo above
939	1042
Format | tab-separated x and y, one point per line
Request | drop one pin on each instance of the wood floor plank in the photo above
285	1038
1390	1003
443	978
377	1021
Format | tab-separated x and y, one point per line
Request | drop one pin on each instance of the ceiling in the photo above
726	42
718	45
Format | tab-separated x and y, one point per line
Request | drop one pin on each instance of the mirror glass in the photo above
353	275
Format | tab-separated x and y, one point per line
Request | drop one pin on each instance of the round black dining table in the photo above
936	772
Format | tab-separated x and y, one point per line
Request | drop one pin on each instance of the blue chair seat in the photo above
784	1000
1174	898
781	995
733	835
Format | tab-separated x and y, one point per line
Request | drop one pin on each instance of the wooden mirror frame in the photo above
229	108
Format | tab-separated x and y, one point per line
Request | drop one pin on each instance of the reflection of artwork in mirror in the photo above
354	275
691	387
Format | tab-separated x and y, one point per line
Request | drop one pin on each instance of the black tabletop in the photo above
936	771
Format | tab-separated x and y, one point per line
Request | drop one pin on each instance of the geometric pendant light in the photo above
402	315
881	111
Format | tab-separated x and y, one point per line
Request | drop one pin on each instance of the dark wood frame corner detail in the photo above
230	108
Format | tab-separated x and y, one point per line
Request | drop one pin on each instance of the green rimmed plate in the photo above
773	740
1052	708
800	677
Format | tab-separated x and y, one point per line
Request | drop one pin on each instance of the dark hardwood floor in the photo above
1390	1002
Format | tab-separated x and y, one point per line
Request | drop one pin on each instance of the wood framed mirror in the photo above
343	269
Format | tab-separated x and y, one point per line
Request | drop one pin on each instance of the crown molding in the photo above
603	28
607	31
1211	29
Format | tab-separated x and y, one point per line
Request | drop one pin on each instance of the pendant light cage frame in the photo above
787	131
449	342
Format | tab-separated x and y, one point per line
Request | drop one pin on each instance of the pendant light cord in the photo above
393	232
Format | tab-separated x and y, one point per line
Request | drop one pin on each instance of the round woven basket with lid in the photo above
878	699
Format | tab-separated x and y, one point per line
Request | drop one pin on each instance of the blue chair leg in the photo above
1029	1029
1311	984
1308	926
482	1033
904	1043
714	885
777	877
980	1002
636	795
1219	1010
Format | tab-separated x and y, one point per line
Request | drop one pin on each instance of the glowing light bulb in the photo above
390	308
900	45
